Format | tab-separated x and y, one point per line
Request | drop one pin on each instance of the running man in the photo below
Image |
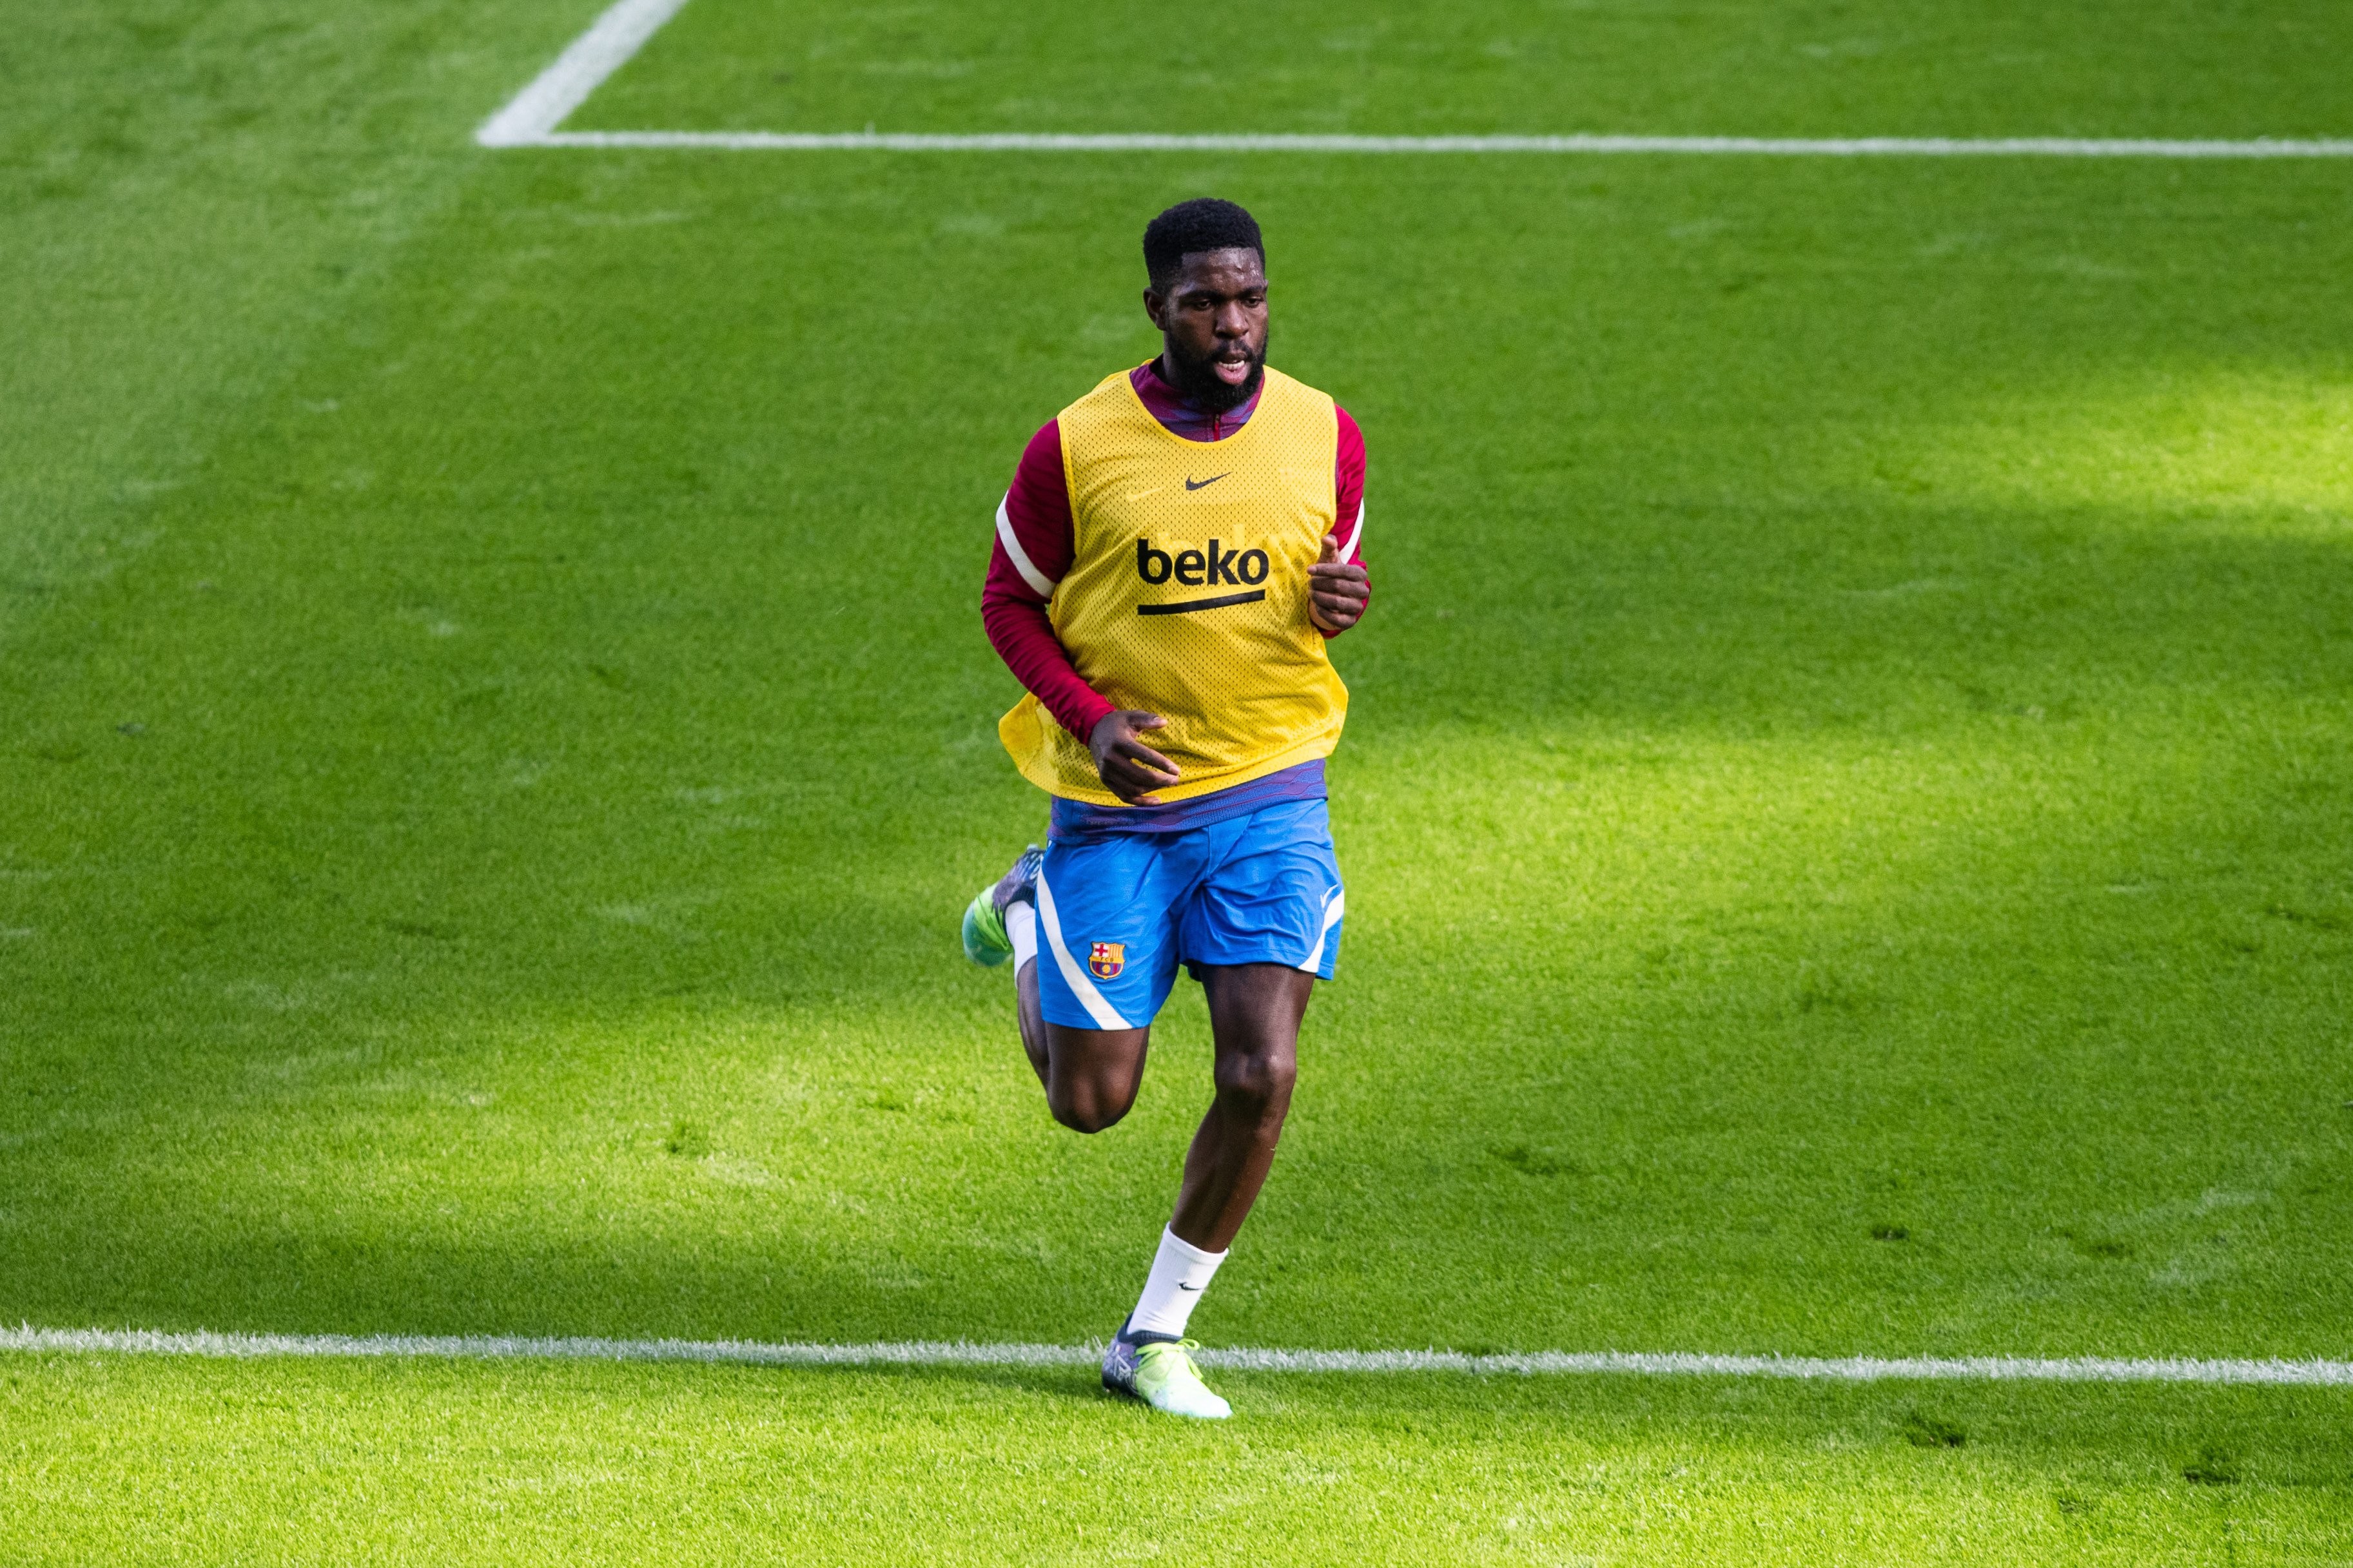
1177	548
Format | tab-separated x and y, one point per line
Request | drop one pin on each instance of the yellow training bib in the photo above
1187	594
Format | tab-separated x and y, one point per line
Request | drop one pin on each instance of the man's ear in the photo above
1153	307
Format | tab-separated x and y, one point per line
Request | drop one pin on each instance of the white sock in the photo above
1021	925
1180	1272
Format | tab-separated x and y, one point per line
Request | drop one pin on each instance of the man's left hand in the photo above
1336	592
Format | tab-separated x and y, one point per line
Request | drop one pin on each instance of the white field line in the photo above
578	71
531	120
958	1352
1766	146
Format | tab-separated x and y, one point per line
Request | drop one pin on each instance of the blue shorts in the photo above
1117	914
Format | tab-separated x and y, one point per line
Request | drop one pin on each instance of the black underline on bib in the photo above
1182	605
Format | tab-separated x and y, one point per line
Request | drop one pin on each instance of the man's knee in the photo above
1086	1108
1092	1076
1089	1118
1257	1083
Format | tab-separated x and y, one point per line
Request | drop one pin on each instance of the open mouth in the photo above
1233	367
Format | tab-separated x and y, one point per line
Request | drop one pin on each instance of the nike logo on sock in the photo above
1182	1286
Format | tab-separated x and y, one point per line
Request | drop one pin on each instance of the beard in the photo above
1197	381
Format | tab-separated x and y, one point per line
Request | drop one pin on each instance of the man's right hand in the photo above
1128	768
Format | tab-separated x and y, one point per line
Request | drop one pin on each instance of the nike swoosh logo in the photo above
1180	1284
1205	484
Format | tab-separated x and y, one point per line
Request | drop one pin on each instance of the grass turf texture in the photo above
1797	67
1846	806
469	1464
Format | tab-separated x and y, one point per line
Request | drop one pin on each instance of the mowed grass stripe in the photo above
531	117
160	1459
1500	68
960	1353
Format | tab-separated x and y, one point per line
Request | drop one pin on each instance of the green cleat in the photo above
985	941
1162	1375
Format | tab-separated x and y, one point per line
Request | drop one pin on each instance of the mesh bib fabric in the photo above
1187	594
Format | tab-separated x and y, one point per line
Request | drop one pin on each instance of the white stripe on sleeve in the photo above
1043	584
1356	534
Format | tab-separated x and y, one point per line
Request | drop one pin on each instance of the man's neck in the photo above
1160	372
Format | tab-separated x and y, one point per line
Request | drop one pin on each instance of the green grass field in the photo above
1847	804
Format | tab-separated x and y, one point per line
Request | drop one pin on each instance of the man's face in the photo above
1212	319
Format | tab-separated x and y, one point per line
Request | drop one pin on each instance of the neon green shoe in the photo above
1162	1375
984	941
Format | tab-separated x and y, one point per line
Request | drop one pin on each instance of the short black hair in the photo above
1187	229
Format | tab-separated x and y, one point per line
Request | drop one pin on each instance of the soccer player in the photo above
1177	548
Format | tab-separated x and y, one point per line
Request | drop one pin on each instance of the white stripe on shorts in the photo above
1101	1011
1333	911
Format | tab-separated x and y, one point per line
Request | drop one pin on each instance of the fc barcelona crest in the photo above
1107	960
